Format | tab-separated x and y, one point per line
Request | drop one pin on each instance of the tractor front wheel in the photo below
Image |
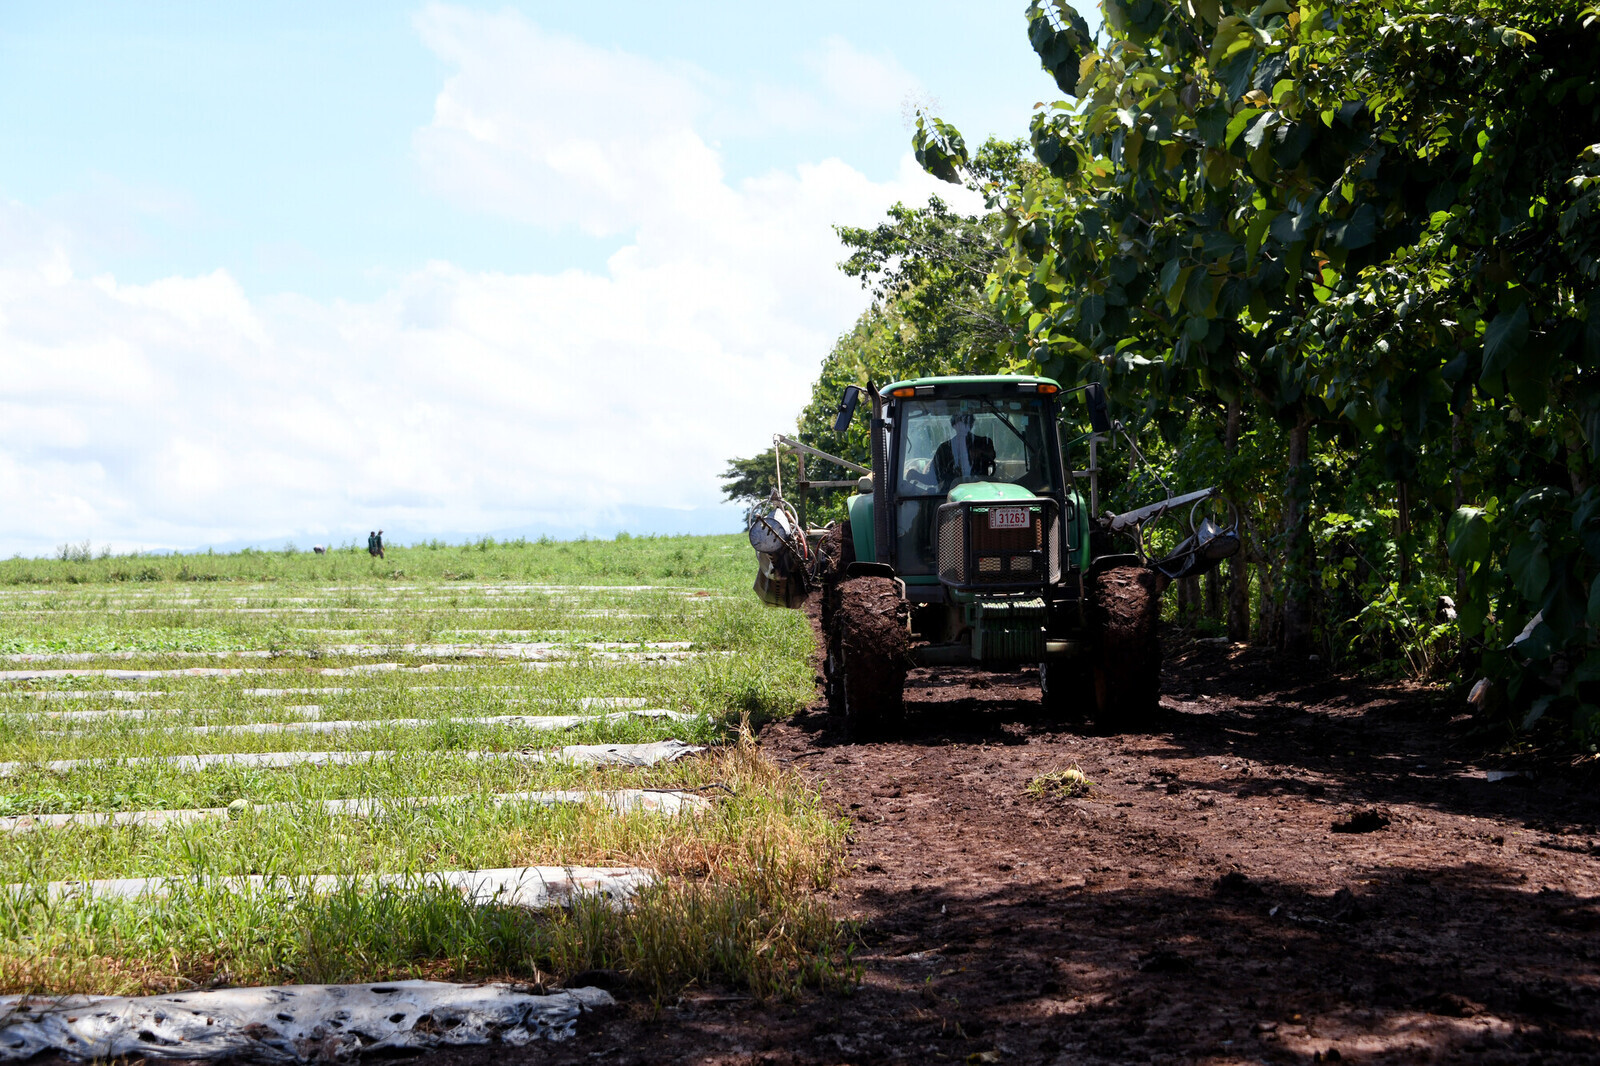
872	642
1125	612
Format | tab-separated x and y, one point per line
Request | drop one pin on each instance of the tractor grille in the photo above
975	551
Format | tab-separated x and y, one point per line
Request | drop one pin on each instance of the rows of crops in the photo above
342	773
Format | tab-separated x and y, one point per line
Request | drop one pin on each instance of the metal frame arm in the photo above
779	438
1140	515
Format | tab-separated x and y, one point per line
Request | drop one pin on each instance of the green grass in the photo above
738	901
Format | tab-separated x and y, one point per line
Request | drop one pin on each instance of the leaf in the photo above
1257	133
1236	125
940	151
1467	536
1503	340
1591	330
1060	50
1358	231
1529	377
1259	224
1536	712
1174	292
1228	30
1528	566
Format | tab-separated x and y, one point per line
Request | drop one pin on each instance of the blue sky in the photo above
459	212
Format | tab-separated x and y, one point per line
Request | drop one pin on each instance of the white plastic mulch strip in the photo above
137	713
534	887
308	711
659	751
272	693
520	721
659	658
93	694
132	675
586	702
200	608
664	658
538	650
289	1023
618	801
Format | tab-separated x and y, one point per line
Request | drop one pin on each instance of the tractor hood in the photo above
989	491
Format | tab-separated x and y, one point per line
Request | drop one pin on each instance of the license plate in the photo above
1008	518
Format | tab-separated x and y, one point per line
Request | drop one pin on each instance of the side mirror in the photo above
847	408
1095	395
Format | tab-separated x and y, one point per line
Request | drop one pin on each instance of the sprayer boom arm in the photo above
809	450
1155	510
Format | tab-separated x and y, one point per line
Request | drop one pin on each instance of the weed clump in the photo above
1070	783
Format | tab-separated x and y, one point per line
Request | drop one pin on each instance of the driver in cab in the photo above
964	455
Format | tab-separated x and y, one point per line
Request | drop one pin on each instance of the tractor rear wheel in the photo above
872	642
1125	612
837	551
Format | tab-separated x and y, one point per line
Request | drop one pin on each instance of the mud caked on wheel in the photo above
868	644
1124	615
836	552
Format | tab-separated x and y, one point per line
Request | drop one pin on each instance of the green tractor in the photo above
971	543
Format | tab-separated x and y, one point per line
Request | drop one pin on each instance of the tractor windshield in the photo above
951	442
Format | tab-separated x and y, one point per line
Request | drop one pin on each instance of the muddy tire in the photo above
1124	613
871	641
833	661
838	552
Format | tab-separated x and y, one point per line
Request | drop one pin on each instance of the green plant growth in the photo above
309	638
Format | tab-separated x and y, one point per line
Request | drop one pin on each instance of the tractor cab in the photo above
973	512
972	447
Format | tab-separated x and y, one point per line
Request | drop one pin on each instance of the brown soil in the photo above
1282	869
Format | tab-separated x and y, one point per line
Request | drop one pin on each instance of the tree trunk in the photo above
1296	618
1268	612
1459	451
1238	567
1403	530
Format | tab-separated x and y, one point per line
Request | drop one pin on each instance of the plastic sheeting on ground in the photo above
289	1023
534	887
620	801
595	754
521	721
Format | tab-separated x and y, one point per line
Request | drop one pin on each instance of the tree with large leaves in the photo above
1371	223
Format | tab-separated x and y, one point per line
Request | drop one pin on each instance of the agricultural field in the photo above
272	767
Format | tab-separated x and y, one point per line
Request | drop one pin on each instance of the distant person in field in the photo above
375	544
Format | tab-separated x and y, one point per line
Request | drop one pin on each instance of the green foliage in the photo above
737	904
1366	231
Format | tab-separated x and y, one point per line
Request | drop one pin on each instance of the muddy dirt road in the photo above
1281	869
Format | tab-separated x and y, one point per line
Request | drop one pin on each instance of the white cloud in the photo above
184	411
871	83
545	128
854	91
